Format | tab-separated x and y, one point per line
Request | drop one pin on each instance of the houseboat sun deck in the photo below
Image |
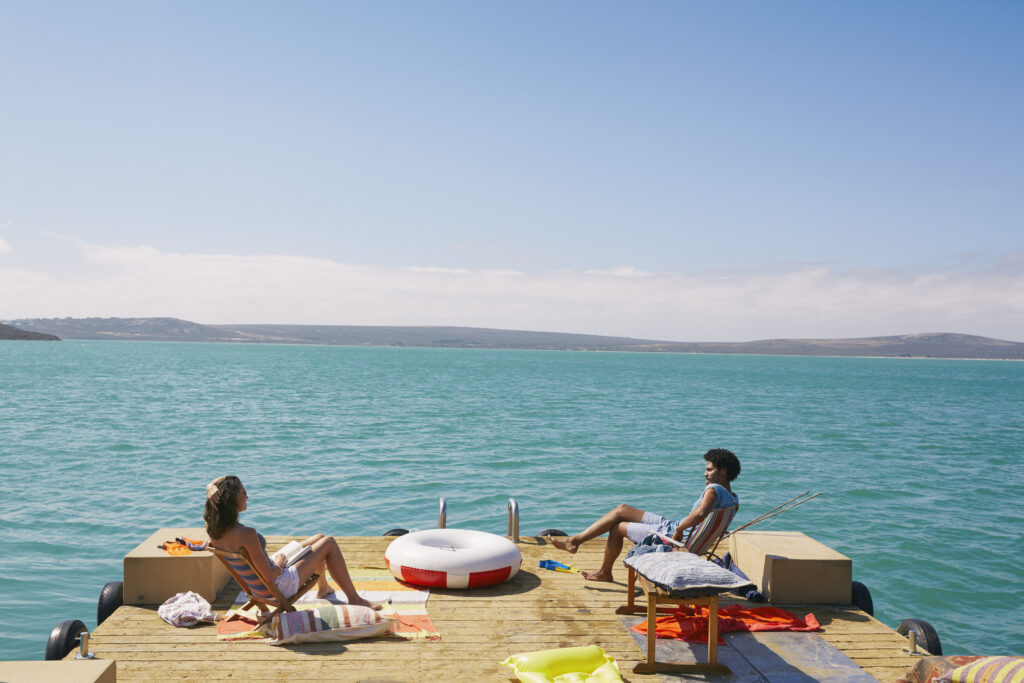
535	610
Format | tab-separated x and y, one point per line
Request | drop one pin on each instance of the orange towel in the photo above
175	548
691	623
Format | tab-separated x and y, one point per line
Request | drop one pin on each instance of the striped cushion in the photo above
256	587
325	623
710	530
988	670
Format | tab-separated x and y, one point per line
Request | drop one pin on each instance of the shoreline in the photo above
243	342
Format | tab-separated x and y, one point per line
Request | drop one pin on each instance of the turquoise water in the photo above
921	461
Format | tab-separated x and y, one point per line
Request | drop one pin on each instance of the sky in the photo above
662	170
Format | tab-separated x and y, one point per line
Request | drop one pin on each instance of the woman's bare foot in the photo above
562	543
597	576
324	592
361	601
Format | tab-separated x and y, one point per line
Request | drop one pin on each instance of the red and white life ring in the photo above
453	558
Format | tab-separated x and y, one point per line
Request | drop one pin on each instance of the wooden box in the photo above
151	575
791	568
66	671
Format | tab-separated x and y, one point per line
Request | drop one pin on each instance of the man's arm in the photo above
707	505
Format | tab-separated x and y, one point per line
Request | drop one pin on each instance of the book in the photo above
293	551
668	540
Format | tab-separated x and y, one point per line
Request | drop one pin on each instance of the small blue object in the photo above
552	565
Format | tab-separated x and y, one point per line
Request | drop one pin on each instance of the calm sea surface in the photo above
921	461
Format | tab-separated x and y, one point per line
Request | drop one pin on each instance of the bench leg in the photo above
713	631
652	627
711	667
630	606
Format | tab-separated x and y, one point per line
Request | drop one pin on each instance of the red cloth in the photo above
691	623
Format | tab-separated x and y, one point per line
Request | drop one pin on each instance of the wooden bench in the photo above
656	596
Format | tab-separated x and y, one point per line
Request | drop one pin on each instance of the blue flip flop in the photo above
557	566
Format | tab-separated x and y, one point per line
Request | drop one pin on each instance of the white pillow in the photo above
685	573
326	623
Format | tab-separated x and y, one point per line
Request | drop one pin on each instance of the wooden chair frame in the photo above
279	604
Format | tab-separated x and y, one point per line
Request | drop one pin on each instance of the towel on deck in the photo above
691	623
406	603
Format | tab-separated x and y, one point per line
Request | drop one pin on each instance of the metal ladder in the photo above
513	517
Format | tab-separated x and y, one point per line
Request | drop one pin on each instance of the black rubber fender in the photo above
861	598
395	532
927	638
552	532
111	597
63	639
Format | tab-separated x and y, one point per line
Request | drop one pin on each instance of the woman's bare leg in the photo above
619	514
322	586
327	554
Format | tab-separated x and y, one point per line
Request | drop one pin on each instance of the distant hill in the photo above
9	332
931	345
139	329
928	345
173	329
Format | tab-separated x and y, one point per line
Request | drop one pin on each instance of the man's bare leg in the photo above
617	515
612	549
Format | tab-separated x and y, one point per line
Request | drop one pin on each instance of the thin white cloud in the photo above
5	246
621	271
799	301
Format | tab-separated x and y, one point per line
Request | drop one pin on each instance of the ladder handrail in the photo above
513	520
513	517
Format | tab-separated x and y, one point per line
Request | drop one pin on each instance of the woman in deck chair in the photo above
226	497
625	521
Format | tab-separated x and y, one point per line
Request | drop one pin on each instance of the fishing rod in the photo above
788	505
777	508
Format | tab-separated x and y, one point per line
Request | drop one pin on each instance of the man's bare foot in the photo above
562	543
364	603
324	592
597	576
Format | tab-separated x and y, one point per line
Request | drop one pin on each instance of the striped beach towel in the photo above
404	603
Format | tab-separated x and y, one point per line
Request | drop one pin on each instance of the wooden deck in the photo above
537	609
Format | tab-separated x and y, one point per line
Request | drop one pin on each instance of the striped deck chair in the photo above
703	538
261	592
